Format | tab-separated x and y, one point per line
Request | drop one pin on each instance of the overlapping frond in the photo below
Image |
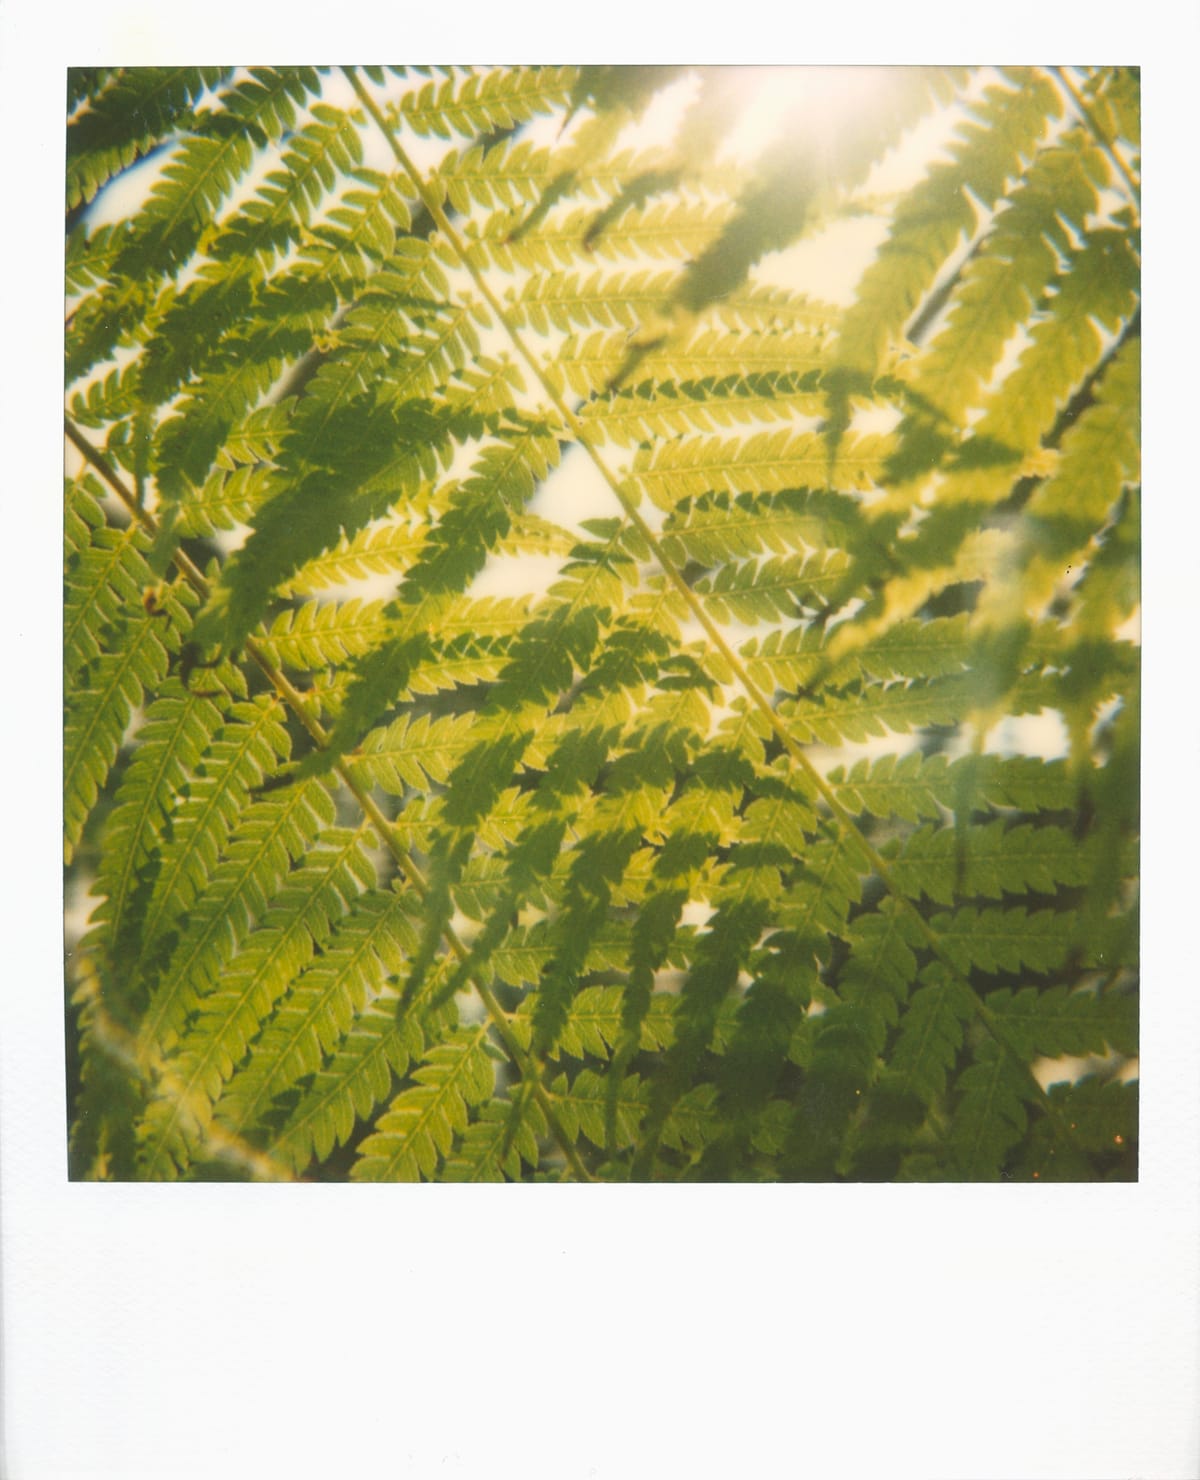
778	819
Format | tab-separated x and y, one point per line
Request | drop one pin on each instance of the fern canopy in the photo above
547	699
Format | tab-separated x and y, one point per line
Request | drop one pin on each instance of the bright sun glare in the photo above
813	101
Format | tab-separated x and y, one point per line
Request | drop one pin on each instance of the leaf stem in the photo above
579	430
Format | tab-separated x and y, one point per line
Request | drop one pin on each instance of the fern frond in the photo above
1060	1021
1016	260
563	301
272	834
585	1107
930	1036
104	706
394	879
478	102
192	328
178	730
375	936
202	172
1002	940
358	1077
500	1143
1100	456
668	231
588	366
418	1129
898	708
297	922
323	634
1103	1117
106	574
1003	128
1066	347
383	550
721	526
246	748
127	117
913	786
108	400
989	861
90	256
990	1116
767	462
781	586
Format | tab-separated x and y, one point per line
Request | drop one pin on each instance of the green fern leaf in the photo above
989	861
376	935
356	1079
106	575
116	685
1058	1021
990	1117
418	1129
126	117
720	844
479	102
247	747
178	730
931	1034
272	834
1003	940
494	1147
219	151
298	920
1100	456
937	214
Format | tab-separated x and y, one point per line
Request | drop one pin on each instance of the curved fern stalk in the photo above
721	977
703	947
715	976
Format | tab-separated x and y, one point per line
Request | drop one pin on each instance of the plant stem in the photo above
869	854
